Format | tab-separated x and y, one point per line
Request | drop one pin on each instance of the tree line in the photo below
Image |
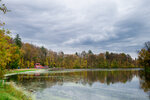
15	53
30	54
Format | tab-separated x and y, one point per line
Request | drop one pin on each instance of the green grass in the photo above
19	71
24	71
10	92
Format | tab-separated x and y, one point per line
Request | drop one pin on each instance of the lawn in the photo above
19	70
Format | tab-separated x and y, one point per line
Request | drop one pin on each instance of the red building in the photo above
39	66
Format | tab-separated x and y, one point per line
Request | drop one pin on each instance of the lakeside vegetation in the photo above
33	54
144	60
10	92
25	55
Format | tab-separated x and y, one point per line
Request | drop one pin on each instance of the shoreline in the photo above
9	91
26	71
23	71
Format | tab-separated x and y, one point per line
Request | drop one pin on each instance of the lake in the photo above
98	84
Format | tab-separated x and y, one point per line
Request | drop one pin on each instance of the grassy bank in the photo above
8	91
20	70
11	92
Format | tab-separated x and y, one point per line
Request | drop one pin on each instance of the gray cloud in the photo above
76	25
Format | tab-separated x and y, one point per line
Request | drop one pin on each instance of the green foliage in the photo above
17	41
9	52
14	64
15	58
90	52
33	54
3	8
144	57
5	50
114	64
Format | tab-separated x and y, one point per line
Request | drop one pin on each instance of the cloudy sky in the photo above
77	25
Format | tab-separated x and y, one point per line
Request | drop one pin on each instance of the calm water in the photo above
85	84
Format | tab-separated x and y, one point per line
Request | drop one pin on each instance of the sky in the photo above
76	25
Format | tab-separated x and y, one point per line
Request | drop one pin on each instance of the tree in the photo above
76	54
32	64
15	58
5	44
17	41
144	57
114	64
4	9
4	52
147	46
46	62
90	52
83	54
43	54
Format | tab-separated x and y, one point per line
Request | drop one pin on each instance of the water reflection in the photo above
145	81
41	81
84	77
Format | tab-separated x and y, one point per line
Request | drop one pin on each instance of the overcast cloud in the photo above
77	25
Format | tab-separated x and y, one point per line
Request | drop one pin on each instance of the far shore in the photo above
32	70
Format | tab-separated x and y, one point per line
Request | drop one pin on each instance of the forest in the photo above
16	54
32	54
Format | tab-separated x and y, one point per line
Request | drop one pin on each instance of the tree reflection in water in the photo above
145	81
38	82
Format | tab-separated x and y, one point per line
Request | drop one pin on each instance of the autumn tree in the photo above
6	44
144	57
